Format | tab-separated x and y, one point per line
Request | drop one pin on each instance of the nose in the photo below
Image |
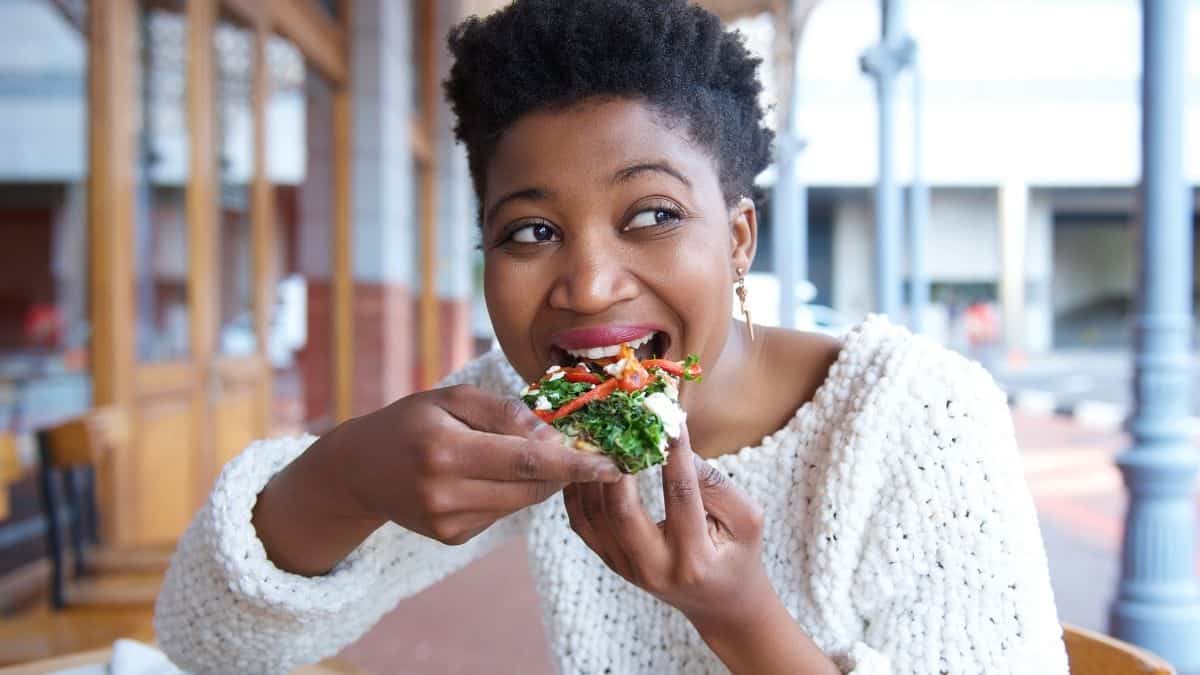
594	279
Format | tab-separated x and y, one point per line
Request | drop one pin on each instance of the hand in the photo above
705	559
450	462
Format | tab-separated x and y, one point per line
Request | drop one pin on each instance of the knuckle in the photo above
527	464
638	575
709	476
434	500
442	501
451	535
756	518
459	396
691	572
620	512
514	409
680	490
437	460
582	468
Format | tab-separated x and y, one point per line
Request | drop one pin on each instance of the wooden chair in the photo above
1092	653
10	470
101	656
100	575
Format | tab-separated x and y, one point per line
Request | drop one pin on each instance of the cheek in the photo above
509	302
690	279
512	302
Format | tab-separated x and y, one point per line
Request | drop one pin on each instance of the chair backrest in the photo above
10	469
69	453
1092	653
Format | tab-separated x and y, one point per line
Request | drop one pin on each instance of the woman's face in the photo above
603	223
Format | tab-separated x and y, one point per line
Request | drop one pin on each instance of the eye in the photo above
534	233
659	215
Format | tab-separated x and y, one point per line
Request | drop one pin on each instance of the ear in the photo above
743	233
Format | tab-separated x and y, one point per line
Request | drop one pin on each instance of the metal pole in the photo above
1158	599
883	62
790	197
918	212
791	229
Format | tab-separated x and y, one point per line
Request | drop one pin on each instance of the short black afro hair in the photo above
550	54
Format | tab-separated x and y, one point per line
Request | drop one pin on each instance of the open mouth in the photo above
651	345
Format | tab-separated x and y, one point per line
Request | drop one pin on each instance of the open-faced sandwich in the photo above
620	406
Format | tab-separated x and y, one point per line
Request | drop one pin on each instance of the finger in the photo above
604	542
495	457
725	501
632	529
573	504
581	520
494	497
686	524
483	411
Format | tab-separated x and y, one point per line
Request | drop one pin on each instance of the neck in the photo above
714	406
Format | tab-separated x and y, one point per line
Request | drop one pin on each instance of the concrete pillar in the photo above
314	234
883	62
790	197
1158	598
918	216
457	224
1039	270
384	210
1014	216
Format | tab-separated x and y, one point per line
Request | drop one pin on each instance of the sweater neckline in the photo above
807	412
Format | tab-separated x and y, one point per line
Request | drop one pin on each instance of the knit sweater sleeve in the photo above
225	607
953	577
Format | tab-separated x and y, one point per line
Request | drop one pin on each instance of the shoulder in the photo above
911	379
915	409
490	372
943	425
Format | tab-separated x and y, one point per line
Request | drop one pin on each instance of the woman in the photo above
851	505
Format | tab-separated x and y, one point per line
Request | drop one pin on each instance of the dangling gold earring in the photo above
739	287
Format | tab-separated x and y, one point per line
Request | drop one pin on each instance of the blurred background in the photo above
226	219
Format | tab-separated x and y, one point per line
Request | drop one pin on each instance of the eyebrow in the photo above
531	194
631	172
621	176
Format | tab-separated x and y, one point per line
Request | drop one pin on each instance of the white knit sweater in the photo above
899	533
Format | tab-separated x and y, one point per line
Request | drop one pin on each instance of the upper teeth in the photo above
610	350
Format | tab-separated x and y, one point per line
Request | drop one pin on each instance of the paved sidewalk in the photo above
485	619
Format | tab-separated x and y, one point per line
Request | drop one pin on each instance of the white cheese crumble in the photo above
672	390
558	375
553	369
542	403
668	411
615	369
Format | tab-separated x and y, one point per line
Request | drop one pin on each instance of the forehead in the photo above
588	143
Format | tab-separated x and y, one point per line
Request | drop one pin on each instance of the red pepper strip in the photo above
581	376
545	415
664	365
635	377
585	398
676	369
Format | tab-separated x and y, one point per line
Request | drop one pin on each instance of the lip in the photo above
601	336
